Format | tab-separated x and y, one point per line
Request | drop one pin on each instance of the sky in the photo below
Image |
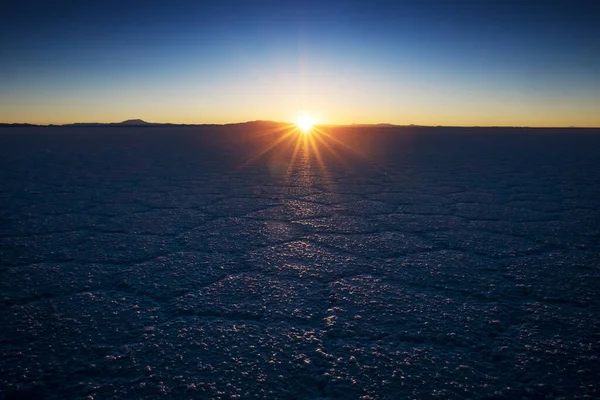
427	62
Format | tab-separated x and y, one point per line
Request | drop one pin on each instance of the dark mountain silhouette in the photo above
262	124
134	122
16	124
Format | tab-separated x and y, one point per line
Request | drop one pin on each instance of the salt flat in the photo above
373	263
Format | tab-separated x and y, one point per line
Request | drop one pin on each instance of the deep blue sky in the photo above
472	62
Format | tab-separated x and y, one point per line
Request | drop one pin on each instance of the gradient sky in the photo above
476	62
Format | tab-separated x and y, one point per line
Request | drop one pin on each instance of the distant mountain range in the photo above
140	123
128	123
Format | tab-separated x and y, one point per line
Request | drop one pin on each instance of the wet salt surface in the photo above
182	263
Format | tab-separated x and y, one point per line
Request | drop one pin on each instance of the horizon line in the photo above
143	123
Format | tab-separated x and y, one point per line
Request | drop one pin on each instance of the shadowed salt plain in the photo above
380	263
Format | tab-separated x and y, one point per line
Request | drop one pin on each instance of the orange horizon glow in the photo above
535	120
333	110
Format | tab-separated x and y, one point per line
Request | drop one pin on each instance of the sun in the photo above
305	123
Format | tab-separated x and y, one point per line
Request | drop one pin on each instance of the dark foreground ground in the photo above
183	263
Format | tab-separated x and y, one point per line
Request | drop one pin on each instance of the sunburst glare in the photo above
304	152
305	123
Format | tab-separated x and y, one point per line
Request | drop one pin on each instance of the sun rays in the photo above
304	152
